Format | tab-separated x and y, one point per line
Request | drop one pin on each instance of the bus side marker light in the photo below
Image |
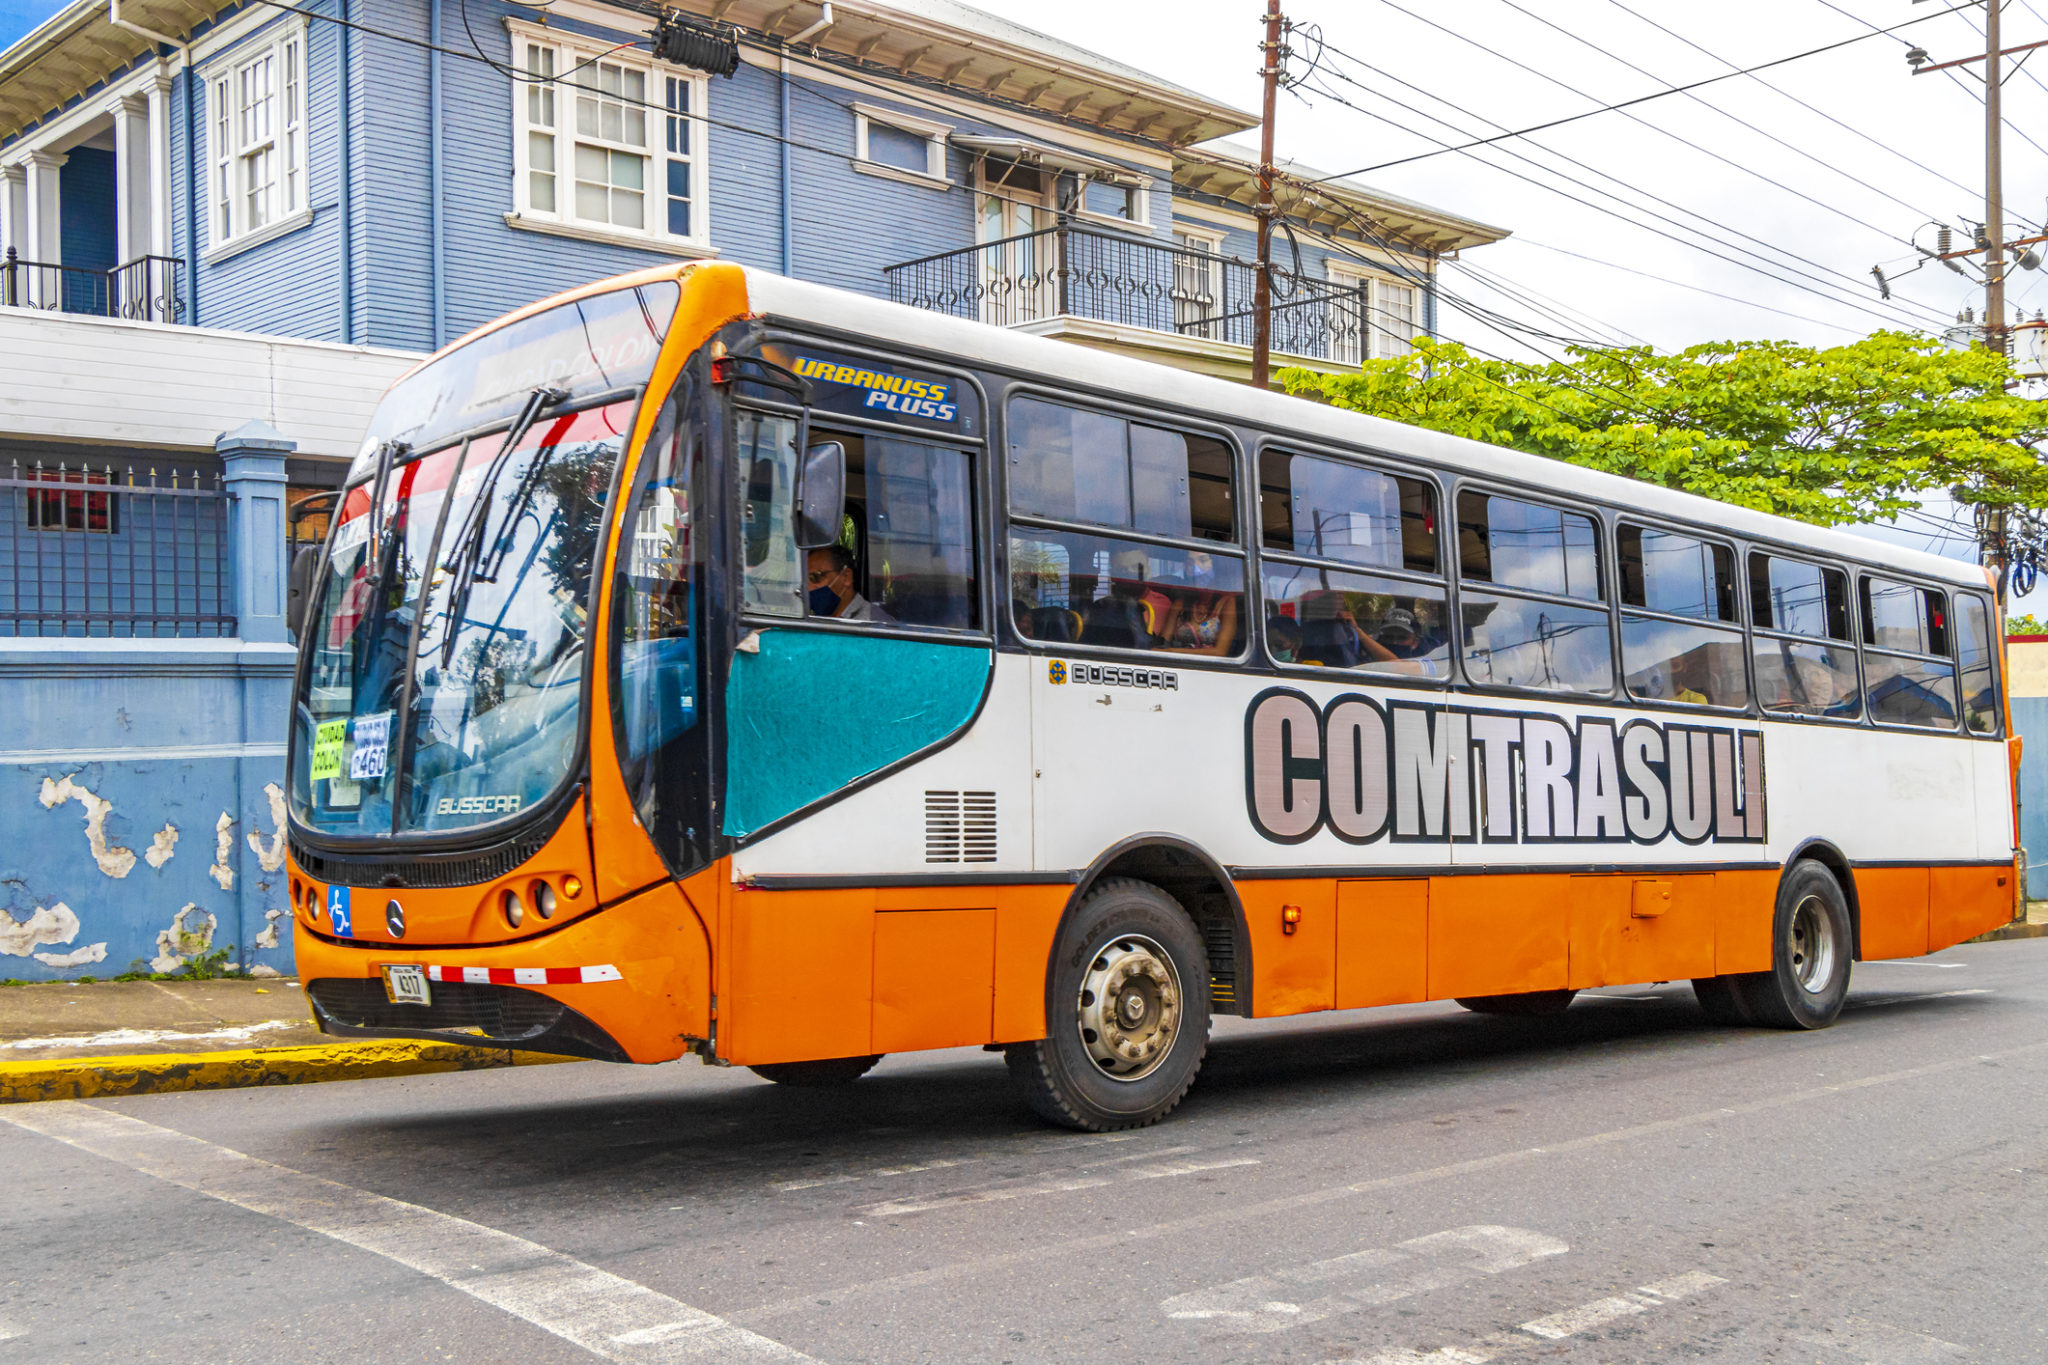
572	887
1290	918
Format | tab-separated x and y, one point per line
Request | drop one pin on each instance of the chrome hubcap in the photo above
1813	946
1129	1008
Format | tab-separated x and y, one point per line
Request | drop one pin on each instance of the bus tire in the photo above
1810	950
1525	1005
1722	999
1126	1011
832	1071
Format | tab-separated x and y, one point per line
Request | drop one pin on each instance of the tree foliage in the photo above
1830	435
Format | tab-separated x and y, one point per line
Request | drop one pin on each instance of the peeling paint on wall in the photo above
267	938
162	847
114	860
19	938
223	845
179	944
271	858
77	957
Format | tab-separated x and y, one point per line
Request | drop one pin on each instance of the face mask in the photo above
824	601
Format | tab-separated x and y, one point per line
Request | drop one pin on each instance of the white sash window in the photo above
257	134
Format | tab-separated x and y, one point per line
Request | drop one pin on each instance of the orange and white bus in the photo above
705	662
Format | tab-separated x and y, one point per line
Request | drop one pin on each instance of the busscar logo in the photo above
1367	770
476	805
1098	675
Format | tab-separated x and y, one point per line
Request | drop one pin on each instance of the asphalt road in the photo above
1624	1183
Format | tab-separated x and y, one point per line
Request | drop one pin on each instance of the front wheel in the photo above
1127	1013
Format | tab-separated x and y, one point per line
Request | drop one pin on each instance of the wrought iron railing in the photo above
1113	277
104	552
143	290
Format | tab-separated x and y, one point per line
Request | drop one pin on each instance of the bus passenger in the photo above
832	592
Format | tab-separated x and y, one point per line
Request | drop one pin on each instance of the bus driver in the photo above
830	577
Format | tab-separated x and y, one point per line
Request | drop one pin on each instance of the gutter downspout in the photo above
434	225
825	20
191	152
348	226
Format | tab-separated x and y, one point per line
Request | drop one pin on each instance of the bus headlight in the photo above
515	910
544	900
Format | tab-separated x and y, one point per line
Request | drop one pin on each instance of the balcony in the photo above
143	290
1131	294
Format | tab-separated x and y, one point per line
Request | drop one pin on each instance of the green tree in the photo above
1830	435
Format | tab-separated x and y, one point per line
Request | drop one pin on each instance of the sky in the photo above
1749	210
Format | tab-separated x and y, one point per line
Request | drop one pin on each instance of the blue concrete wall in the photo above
137	781
2030	722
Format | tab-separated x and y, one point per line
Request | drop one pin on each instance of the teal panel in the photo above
815	710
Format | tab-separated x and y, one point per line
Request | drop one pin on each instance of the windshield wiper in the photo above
469	540
388	453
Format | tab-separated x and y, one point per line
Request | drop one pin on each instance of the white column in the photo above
131	177
14	210
158	93
45	234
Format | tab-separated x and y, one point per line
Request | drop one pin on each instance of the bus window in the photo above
1071	464
766	466
1074	587
1328	509
1974	643
1333	515
1909	677
1805	660
909	542
1547	639
1670	584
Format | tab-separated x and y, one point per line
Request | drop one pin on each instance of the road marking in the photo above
1908	999
1879	1343
8	1331
603	1313
1224	1215
1556	1327
1363	1279
790	1186
1909	962
137	1037
1002	1193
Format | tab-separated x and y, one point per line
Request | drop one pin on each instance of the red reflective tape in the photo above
508	976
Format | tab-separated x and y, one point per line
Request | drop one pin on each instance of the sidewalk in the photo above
70	1041
2035	925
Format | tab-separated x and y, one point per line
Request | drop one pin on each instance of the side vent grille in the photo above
959	827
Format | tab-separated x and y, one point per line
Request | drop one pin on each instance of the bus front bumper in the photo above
630	983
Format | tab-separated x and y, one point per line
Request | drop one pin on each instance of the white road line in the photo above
8	1331
880	1172
1363	1279
604	1314
1555	1327
1879	1343
1912	962
1002	1193
1227	1214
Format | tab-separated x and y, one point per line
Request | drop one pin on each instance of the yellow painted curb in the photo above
78	1078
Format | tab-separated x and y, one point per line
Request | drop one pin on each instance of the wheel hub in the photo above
1129	1010
1813	946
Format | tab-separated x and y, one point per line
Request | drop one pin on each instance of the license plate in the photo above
406	984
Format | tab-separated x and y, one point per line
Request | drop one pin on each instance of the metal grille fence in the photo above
1116	278
95	551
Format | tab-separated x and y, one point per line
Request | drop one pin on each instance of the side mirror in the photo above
305	563
821	496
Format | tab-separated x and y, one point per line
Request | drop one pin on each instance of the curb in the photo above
2018	929
78	1078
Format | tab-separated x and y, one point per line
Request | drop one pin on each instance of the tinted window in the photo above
1799	599
1675	574
1799	678
1513	643
1327	619
1974	644
1523	545
1911	691
916	504
1900	616
898	147
1673	661
1068	588
1334	510
1076	465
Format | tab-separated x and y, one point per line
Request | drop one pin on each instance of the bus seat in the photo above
1118	624
1056	625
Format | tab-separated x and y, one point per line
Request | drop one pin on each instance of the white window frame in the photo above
1189	274
1378	340
933	133
1140	188
569	51
256	177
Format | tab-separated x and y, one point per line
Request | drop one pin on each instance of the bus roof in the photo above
1107	373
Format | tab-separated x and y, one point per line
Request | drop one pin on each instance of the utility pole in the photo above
1262	285
1992	546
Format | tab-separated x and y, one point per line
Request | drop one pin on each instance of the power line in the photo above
2010	126
1681	284
1640	99
1894	317
1683	141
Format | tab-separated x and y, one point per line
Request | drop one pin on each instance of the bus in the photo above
704	662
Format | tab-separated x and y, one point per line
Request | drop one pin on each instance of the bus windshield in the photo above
448	638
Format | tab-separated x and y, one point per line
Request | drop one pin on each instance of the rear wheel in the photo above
832	1071
1810	952
1527	1005
1127	1013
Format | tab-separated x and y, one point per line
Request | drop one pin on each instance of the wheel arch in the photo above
1185	871
1836	862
